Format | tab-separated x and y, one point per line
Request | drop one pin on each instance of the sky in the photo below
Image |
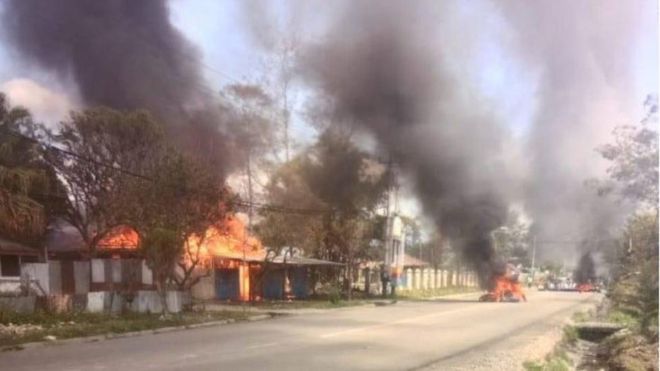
230	53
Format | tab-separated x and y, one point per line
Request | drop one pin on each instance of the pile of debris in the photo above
11	330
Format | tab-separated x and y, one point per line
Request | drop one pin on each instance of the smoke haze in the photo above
383	70
583	52
126	55
401	71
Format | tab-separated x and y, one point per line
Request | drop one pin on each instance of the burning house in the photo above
237	267
225	264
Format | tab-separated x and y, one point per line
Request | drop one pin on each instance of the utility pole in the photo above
533	258
394	232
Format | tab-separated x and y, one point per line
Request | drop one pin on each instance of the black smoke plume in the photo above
586	270
124	54
381	68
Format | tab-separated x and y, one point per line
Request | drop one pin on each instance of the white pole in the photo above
533	258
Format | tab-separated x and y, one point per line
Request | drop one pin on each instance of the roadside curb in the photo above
111	336
297	312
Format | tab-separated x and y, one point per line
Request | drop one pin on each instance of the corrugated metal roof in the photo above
261	258
301	260
15	248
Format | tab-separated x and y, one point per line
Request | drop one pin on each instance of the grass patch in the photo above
555	363
570	335
16	328
624	319
558	360
580	317
432	293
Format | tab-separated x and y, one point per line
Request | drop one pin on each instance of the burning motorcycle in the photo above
505	288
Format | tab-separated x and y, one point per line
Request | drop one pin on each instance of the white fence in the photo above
430	279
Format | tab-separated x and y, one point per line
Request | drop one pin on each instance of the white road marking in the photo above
263	345
404	320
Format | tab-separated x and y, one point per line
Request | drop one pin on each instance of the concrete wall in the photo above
54	277
144	301
81	276
22	304
205	288
98	270
40	273
115	270
430	279
147	275
10	285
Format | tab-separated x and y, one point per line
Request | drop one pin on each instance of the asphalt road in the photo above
408	335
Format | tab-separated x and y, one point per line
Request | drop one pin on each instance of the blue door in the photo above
299	282
273	282
226	284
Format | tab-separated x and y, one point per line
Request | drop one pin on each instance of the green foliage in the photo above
181	198
634	159
581	316
30	193
161	249
98	142
558	359
512	241
623	318
334	294
553	364
634	287
119	169
76	324
633	174
570	335
343	184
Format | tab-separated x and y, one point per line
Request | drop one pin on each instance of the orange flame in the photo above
505	288
232	240
121	237
233	243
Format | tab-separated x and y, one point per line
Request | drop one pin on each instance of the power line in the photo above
239	203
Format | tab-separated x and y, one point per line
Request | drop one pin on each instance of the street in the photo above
408	335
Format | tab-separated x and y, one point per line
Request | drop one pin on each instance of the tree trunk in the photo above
161	288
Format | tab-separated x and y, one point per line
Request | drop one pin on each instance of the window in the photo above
9	266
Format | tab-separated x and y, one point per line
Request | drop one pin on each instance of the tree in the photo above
634	159
100	150
179	201
633	174
288	187
161	249
344	185
634	286
512	241
251	106
30	193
